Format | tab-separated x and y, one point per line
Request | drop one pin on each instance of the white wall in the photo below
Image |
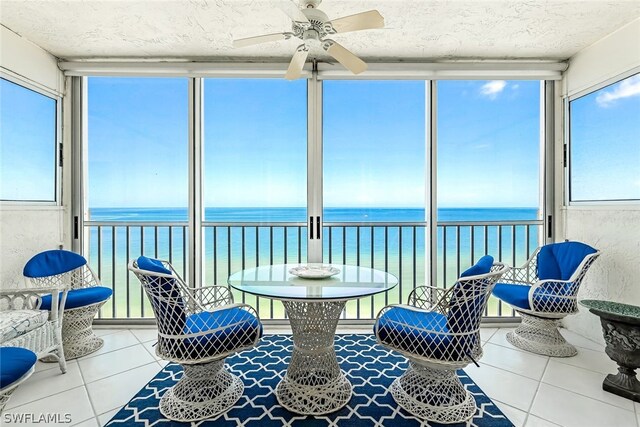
28	229
614	228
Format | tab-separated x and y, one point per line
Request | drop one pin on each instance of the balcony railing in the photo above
399	248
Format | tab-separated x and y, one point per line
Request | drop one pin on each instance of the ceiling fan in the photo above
312	26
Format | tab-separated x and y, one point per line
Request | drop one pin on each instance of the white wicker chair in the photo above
60	268
439	332
544	290
24	324
197	328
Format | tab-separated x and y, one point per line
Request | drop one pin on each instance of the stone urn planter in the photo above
621	330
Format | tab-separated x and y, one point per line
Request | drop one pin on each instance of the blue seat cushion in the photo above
16	362
398	327
514	295
545	298
234	328
462	305
560	260
50	263
80	297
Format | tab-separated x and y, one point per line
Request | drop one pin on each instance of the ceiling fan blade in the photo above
345	57
249	41
292	10
360	21
297	63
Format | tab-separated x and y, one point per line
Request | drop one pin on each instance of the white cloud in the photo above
627	88
493	88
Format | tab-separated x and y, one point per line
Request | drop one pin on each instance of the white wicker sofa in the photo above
23	324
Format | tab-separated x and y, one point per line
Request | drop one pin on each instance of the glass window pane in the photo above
255	133
605	143
137	149
488	149
374	150
27	144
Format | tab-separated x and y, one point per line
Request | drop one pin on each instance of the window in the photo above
605	143
27	144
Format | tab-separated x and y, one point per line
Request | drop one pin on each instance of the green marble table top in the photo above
615	308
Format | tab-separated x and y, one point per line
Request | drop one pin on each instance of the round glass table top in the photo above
275	281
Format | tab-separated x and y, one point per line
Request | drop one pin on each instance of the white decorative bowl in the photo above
314	271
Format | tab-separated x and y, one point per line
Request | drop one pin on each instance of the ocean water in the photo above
230	248
300	214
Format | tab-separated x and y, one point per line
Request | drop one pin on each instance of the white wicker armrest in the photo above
555	301
31	298
430	298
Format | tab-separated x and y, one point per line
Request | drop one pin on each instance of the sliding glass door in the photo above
374	181
221	174
136	181
254	178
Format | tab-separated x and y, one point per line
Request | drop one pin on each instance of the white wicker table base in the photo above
433	394
541	336
314	383
204	391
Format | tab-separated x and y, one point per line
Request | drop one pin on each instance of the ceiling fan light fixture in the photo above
312	25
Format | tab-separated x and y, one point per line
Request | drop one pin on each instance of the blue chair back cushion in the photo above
170	314
234	328
560	260
461	307
80	297
16	362
50	263
402	328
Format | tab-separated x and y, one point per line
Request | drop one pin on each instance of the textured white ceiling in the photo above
415	30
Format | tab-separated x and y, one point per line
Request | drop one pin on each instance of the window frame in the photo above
57	143
568	166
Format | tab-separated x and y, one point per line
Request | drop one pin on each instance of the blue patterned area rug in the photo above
370	368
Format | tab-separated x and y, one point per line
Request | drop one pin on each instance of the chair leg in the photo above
204	391
541	336
433	394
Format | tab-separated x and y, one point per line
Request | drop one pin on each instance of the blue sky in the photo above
255	143
27	148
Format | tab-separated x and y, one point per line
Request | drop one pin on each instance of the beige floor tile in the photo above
115	391
519	362
573	410
105	365
106	417
145	335
72	405
593	360
533	421
46	383
91	422
486	333
512	389
516	416
582	381
114	341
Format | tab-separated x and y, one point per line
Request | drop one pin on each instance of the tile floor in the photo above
532	390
